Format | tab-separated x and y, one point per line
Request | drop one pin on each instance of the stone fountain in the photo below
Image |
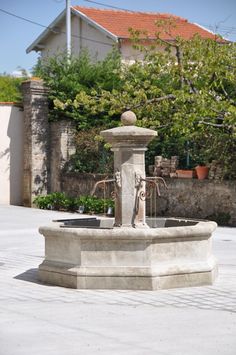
129	251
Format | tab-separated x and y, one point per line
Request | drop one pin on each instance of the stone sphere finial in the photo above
128	118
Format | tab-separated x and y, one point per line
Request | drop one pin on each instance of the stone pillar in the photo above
62	146
35	167
130	206
129	146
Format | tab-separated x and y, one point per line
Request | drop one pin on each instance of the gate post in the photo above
36	140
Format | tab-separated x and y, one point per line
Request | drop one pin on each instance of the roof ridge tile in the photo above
162	14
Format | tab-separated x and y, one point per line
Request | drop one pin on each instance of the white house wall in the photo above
11	154
100	45
55	43
84	36
129	54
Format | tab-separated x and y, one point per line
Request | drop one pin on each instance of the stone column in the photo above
62	146
129	146
35	167
130	206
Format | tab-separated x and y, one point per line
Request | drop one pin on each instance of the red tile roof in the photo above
119	23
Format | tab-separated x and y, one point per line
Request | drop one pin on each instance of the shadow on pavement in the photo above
30	275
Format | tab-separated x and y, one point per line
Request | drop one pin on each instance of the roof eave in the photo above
213	33
36	45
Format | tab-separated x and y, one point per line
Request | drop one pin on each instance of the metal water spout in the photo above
104	182
152	181
116	180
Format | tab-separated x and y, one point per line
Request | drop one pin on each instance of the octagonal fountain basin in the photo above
92	254
129	251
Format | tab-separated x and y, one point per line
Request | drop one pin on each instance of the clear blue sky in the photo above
16	35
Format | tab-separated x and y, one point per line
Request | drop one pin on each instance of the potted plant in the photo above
184	173
202	171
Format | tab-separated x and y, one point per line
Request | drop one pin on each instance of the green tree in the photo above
10	88
187	92
81	74
195	90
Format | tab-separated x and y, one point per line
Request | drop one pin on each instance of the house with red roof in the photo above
100	30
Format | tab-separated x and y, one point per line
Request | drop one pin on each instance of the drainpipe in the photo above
68	29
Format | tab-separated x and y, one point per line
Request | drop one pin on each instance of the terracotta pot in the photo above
202	172
184	174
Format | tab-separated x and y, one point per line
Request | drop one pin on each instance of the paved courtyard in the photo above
40	319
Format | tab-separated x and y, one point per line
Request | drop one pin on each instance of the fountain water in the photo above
130	251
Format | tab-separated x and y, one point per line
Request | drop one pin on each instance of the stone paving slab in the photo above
43	319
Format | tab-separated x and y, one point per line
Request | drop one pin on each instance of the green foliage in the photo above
93	204
66	80
59	201
91	154
56	201
202	89
10	89
222	218
43	202
187	92
167	146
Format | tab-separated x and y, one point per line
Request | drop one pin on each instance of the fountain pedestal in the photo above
130	253
129	145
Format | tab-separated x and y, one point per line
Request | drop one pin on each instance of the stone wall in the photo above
199	199
190	198
75	184
47	145
62	146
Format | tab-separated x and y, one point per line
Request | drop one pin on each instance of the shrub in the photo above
59	201
222	218
66	80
